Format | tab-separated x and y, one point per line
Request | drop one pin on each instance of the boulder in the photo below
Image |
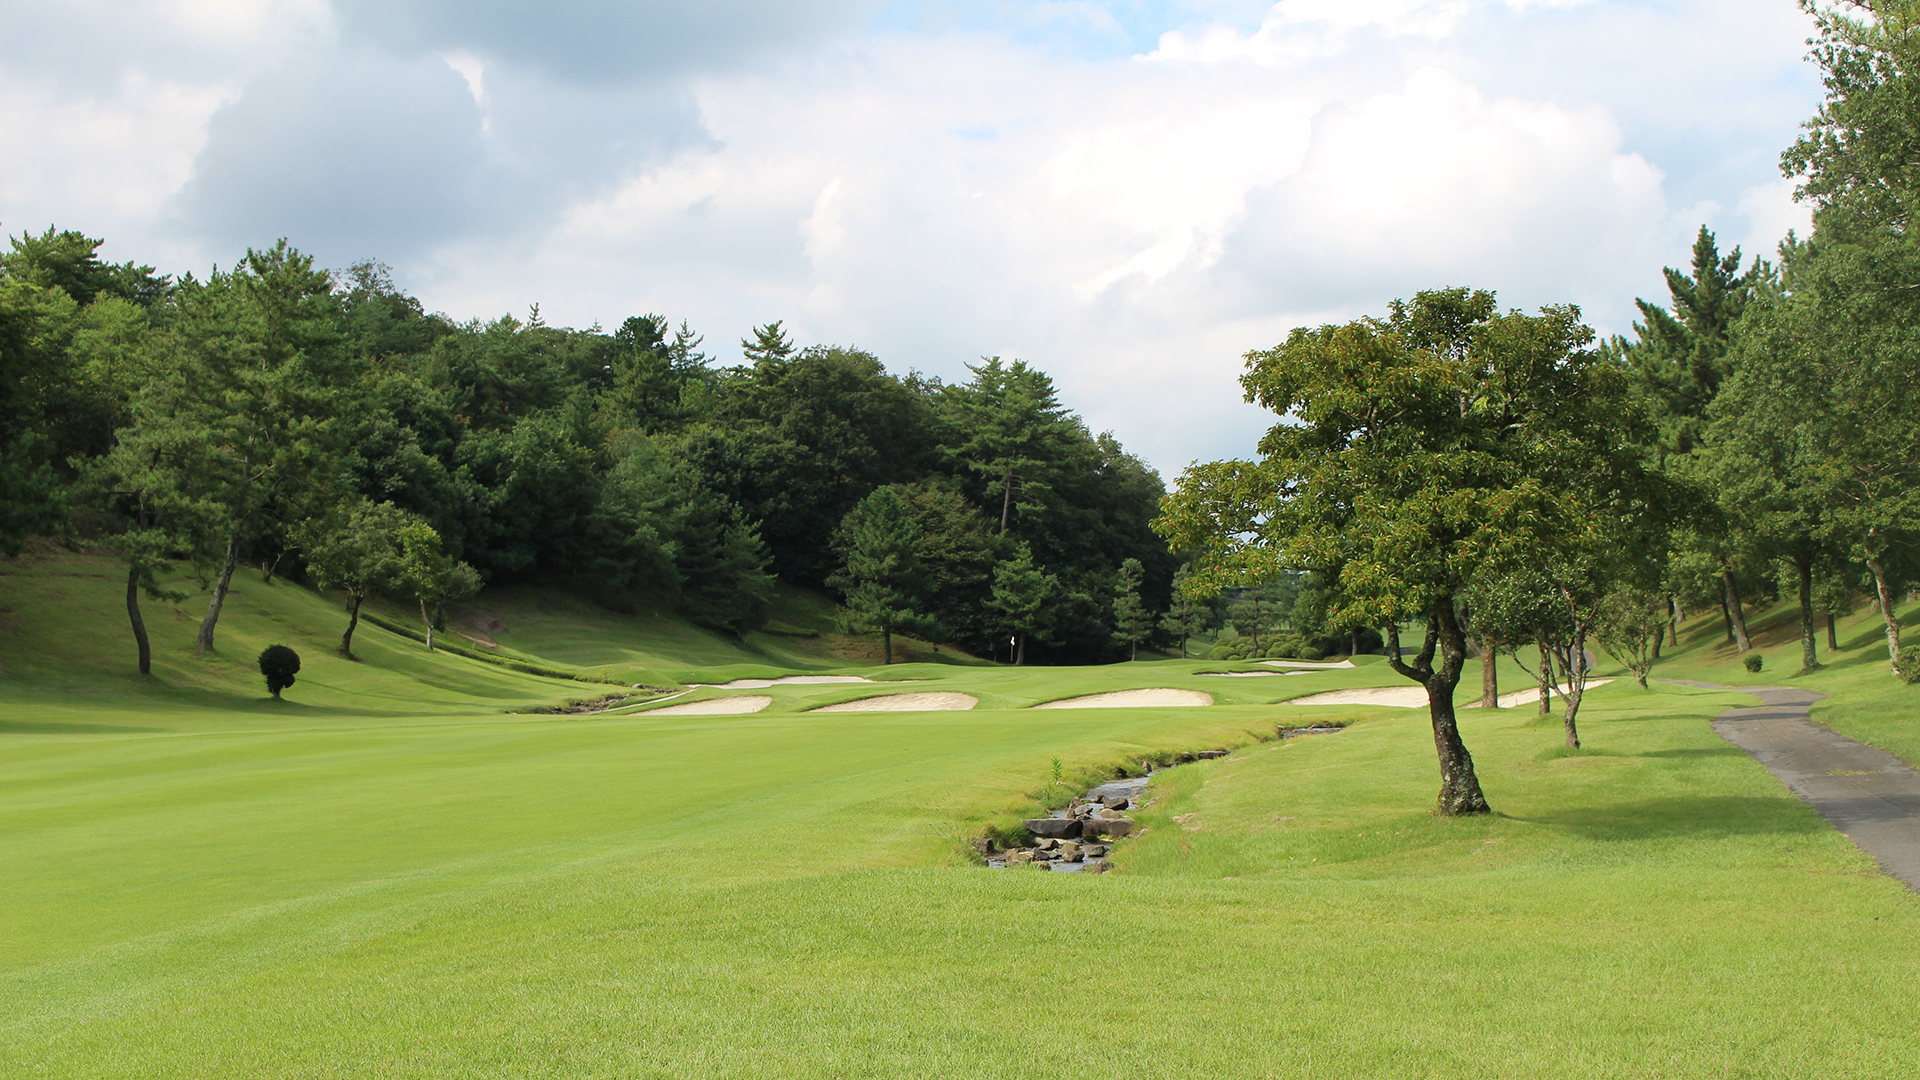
1102	866
1069	851
1093	851
1109	827
1050	828
1015	858
1118	802
1209	754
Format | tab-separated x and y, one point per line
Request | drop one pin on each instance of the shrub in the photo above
1231	648
1753	661
1313	652
279	663
1282	648
1907	664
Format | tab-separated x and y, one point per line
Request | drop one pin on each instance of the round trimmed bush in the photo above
279	664
1753	661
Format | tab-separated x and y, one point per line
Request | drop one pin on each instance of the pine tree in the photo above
1681	355
1132	621
769	347
1025	597
882	576
1185	619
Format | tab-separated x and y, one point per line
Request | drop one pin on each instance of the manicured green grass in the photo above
199	884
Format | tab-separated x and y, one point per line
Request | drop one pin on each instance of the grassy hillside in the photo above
389	875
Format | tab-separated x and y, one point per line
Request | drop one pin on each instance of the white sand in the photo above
1532	695
720	706
784	680
1413	697
1318	665
1248	674
1128	699
1397	697
922	702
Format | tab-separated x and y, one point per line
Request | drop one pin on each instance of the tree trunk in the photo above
139	624
1727	614
1885	598
1020	651
429	622
1489	675
1803	566
1659	635
353	622
1006	503
1353	642
204	643
1576	685
274	566
1737	617
1833	634
1545	674
886	644
1459	787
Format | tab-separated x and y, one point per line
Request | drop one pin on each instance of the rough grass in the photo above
397	879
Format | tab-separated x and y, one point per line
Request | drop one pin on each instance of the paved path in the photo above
1868	794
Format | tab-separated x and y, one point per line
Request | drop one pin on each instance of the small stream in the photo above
1097	819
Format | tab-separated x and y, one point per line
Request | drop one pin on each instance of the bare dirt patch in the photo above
739	705
478	626
1129	699
920	702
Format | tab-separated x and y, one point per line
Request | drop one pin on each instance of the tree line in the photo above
1498	480
325	425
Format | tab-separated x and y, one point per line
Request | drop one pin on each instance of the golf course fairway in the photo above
400	871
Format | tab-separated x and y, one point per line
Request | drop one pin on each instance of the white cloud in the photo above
1132	225
107	164
1771	213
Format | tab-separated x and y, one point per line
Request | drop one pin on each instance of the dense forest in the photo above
1496	480
325	425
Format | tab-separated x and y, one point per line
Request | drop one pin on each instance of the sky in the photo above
1127	194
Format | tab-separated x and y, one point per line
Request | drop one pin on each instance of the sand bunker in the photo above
922	702
784	680
1317	665
1248	674
1532	695
1396	697
720	706
1414	697
1129	699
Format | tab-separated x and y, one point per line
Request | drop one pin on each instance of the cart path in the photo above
1871	796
